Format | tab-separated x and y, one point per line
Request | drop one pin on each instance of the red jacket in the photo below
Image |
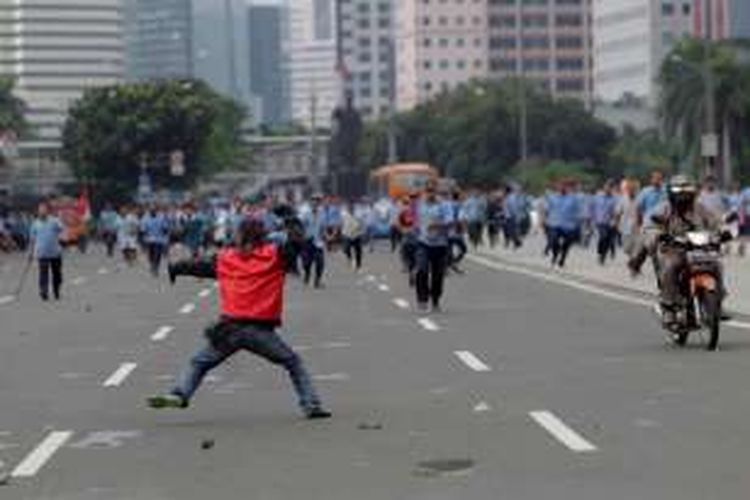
251	284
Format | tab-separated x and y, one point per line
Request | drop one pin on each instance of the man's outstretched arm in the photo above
197	268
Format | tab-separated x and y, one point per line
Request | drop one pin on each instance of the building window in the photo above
569	42
570	64
570	85
536	42
427	65
427	42
460	42
425	21
444	64
497	42
363	24
461	64
460	20
667	9
536	64
537	21
443	42
443	21
568	20
384	22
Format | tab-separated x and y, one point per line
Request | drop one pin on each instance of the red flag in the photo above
83	206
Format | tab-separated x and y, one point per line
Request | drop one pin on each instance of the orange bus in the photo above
400	179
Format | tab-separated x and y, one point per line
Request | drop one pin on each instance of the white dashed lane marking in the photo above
428	324
204	293
162	333
6	299
35	460
473	362
401	303
103	271
567	436
187	309
79	281
384	288
119	376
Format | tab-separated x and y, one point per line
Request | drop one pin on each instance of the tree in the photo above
111	131
471	133
696	75
12	112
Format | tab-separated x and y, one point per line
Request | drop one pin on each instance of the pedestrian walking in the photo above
353	231
626	216
156	232
251	277
434	221
128	227
313	252
563	218
46	232
108	220
604	215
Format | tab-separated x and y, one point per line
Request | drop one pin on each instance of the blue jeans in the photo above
265	343
313	256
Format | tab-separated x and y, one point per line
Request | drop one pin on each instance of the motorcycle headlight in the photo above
699	239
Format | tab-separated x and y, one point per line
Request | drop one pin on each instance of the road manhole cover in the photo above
446	467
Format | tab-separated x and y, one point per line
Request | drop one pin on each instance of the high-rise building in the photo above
203	39
439	45
269	81
367	53
159	39
314	84
54	50
721	19
547	41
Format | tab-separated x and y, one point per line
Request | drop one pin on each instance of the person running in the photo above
474	210
251	277
457	248
407	226
128	228
743	211
156	229
604	214
563	218
193	230
516	216
313	252
649	198
353	231
626	215
495	218
108	220
434	221
45	242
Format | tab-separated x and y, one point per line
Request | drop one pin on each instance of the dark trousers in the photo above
561	240
475	230
607	241
313	256
155	254
110	240
458	250
512	233
431	262
47	266
264	343
353	250
395	238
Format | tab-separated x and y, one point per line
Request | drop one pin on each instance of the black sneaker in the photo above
172	274
167	401
317	413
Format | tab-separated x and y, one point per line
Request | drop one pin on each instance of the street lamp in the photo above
709	139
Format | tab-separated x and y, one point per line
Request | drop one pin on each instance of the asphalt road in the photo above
523	388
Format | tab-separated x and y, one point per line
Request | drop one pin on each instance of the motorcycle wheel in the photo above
711	309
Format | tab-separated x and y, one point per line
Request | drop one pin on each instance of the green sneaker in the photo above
167	401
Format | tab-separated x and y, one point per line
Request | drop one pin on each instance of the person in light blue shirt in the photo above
563	218
743	211
516	208
434	219
651	196
109	221
313	251
46	231
474	212
155	228
604	211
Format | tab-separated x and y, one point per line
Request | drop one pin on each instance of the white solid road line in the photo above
580	286
560	280
401	303
204	293
6	299
162	333
187	309
119	376
35	460
384	288
472	361
567	436
428	324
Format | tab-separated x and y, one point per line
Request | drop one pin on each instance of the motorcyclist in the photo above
679	214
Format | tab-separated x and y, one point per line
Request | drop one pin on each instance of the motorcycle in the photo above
702	285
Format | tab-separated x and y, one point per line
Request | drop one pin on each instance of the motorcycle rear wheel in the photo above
711	311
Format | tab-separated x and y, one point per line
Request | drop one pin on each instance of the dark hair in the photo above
250	232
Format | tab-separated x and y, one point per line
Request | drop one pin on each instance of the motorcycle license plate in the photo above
700	257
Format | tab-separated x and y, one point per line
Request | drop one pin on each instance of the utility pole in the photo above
392	144
314	139
523	125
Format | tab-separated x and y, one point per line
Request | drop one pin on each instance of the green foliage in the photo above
110	129
637	154
472	133
537	175
12	109
687	76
